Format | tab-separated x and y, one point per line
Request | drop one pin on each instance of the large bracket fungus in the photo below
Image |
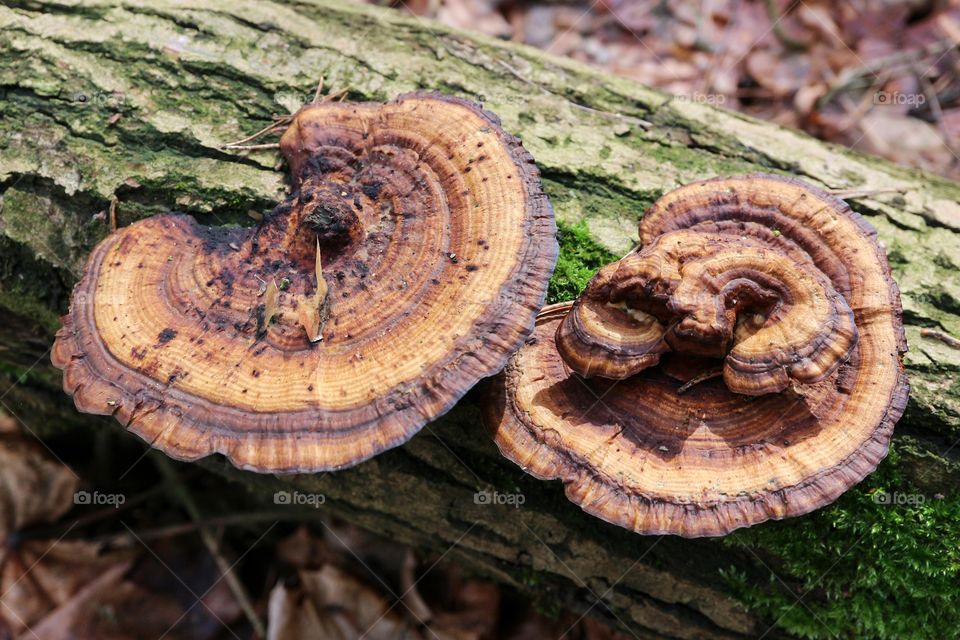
744	363
409	262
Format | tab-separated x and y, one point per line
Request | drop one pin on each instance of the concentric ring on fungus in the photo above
408	263
744	363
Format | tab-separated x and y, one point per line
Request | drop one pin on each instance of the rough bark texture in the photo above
131	100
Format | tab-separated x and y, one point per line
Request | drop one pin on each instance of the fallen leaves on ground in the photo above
55	587
35	487
868	75
348	583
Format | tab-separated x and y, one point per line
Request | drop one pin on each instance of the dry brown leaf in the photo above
781	75
475	613
64	621
8	424
408	585
302	550
333	605
42	575
818	18
34	486
903	139
806	97
480	15
106	600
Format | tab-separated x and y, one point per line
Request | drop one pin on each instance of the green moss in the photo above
30	287
17	374
27	306
864	569
596	196
580	258
677	156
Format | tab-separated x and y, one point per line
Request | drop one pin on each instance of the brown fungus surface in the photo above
742	364
408	263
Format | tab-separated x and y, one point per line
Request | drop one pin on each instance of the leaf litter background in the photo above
879	76
876	75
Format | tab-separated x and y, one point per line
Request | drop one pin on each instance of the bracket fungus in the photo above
408	263
744	363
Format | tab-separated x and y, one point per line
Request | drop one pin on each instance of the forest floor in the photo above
877	76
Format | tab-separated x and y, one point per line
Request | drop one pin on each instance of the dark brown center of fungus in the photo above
328	212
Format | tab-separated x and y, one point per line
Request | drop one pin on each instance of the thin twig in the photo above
946	339
253	136
703	377
319	91
899	59
113	212
89	518
937	112
773	14
252	147
181	492
853	194
123	537
342	93
279	122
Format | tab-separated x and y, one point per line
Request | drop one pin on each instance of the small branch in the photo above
251	147
946	339
105	513
282	121
886	63
703	377
937	112
113	212
773	13
183	495
341	94
853	194
183	528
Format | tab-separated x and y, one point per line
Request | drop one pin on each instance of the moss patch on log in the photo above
580	259
882	562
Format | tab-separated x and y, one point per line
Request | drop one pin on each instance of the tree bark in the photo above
132	100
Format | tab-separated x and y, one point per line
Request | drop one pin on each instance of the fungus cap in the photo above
408	263
774	283
762	306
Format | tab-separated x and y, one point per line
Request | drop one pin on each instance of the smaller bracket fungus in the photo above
744	363
340	325
759	304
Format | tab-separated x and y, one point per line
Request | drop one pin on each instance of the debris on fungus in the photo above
180	331
744	363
